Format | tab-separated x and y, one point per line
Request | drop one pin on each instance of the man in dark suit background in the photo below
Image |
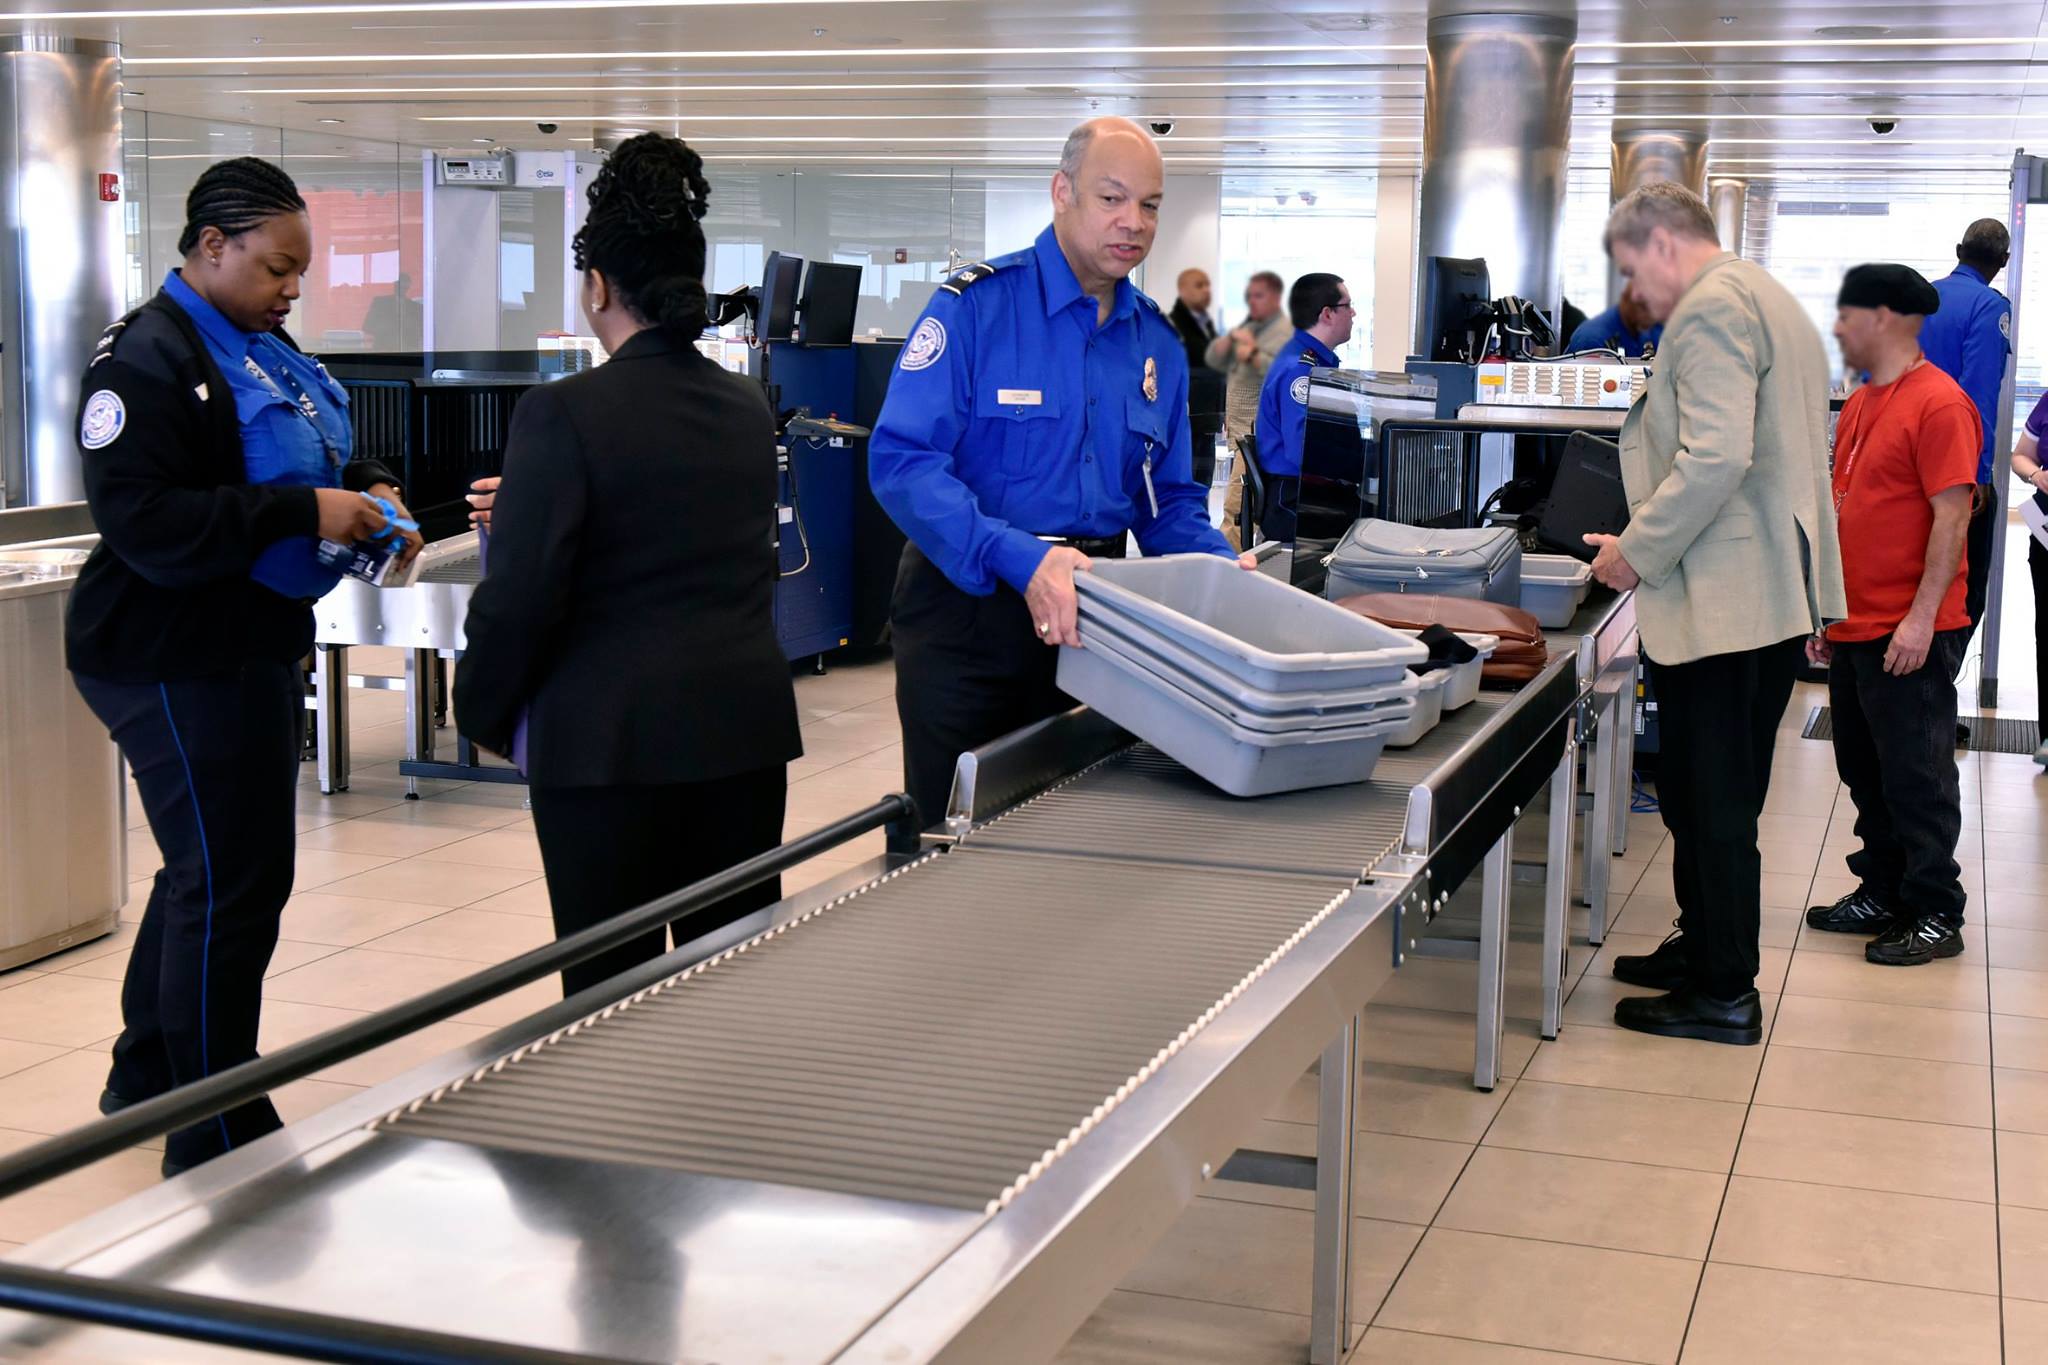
1192	319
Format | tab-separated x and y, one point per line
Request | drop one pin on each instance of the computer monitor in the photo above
831	297
1453	290
777	318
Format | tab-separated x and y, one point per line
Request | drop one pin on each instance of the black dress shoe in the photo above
1859	912
173	1169
1662	970
1909	943
110	1103
1689	1014
1962	735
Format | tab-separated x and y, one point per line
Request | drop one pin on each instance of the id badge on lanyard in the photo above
286	385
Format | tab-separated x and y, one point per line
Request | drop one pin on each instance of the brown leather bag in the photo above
1522	653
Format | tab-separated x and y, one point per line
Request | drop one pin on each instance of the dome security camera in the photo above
1881	126
1161	127
548	128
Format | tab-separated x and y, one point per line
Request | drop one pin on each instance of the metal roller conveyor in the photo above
934	1111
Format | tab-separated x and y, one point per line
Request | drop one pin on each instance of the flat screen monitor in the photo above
777	320
1453	290
831	297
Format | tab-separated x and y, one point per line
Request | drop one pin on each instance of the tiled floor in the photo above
1870	1186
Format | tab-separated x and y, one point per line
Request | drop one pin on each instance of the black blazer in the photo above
628	596
1196	333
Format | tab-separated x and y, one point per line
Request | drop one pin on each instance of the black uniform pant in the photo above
2037	569
968	670
216	761
1895	750
607	850
1718	722
1977	580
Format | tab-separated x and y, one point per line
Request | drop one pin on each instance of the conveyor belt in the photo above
1142	806
936	1038
465	568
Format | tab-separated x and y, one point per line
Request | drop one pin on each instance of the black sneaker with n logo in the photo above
1909	943
1859	912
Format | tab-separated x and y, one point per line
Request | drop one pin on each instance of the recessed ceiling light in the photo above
330	120
1851	31
780	54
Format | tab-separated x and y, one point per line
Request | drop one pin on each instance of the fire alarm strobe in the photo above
110	188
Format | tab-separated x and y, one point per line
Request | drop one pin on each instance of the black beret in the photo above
1900	288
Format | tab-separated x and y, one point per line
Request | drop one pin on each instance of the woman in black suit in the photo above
626	614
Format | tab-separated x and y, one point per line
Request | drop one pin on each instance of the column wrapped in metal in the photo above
1730	201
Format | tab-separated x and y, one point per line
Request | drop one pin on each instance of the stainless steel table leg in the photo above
1624	751
419	712
1336	1131
1557	886
1493	963
330	716
1599	865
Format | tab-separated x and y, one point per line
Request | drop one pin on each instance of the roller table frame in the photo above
809	1136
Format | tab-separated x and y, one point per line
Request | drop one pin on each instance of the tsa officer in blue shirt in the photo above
1320	308
216	456
1626	329
1039	412
1969	339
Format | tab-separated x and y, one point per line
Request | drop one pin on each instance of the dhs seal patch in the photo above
1298	390
105	416
925	346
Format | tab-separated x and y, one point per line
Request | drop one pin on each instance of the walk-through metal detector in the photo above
2029	186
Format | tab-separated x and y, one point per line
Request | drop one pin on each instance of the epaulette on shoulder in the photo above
1149	302
104	347
959	281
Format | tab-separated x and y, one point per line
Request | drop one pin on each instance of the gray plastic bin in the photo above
1265	633
1554	587
1393	705
1466	677
1182	665
1242	762
1429	709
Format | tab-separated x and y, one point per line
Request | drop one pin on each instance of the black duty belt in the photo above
1109	547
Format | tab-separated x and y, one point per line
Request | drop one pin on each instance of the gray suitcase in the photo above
1385	556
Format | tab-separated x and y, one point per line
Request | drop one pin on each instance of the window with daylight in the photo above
1295	223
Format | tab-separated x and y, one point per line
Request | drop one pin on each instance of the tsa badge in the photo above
1151	380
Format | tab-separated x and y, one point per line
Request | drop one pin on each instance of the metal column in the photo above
1730	201
1336	1141
1646	156
1493	962
1609	718
2029	186
330	716
1557	886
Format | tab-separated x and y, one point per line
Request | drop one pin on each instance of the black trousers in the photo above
1718	720
2037	569
1203	429
216	761
607	850
1977	580
1895	749
968	670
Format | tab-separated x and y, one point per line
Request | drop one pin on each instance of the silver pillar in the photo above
1730	201
1495	135
61	252
1644	156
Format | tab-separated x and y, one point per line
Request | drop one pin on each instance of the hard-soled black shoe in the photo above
110	1103
1909	943
1689	1014
1662	970
1859	912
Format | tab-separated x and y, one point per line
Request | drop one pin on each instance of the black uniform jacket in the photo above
167	594
629	589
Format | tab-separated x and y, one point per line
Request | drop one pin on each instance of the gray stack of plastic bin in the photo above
1253	684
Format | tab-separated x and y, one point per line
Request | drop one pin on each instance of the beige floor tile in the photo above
286	957
1956	984
1884	1030
2019	1099
61	1010
302	1099
1883	1087
1613	1204
365	979
348	921
1145	1329
315	868
1619	1125
21	1056
1384	1346
1259	1256
1859	1234
2018	992
2023	1170
285	1022
501	848
1748	1316
398	1057
1438	1040
1415	1102
2018	949
1940	1160
818	871
516	1005
2019	1041
1404	1179
1618	1059
18	976
1524	1293
471	936
379	837
61	1202
2014	910
528	899
2023	1238
453	815
419	881
115	945
55	1096
2026	1331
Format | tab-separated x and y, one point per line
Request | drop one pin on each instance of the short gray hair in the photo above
1076	150
1665	204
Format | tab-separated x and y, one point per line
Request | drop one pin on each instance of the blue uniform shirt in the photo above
1606	331
1969	339
1283	403
1011	415
295	429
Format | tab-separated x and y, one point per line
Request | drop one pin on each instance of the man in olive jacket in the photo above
1732	554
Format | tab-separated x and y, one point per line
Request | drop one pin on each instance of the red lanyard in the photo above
1862	427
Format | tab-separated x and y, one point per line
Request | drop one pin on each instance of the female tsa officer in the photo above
216	457
627	607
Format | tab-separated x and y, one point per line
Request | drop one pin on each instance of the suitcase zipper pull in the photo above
1150	496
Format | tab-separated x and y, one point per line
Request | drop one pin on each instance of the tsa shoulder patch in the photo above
966	275
1298	390
105	416
925	346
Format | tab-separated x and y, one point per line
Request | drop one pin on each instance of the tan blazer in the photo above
1241	398
1725	459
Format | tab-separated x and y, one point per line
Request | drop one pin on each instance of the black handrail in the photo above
202	1099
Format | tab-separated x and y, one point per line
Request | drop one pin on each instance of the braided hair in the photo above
642	231
237	196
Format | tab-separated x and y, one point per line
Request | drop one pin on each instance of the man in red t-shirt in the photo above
1905	468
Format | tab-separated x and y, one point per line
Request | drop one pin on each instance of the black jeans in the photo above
607	850
1977	581
1718	719
216	761
2037	569
968	670
1895	750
